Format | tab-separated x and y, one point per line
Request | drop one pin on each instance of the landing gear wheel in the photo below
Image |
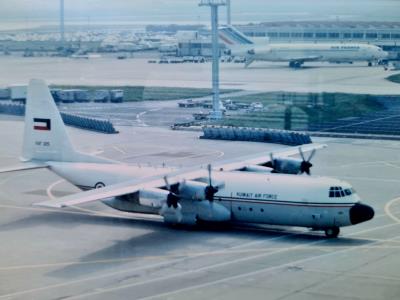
369	64
99	185
332	232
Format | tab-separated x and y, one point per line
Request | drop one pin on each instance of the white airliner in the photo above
298	53
245	190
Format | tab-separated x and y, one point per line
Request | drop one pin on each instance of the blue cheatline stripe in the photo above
283	202
236	37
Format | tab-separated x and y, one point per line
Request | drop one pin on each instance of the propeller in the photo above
210	190
172	198
271	163
306	165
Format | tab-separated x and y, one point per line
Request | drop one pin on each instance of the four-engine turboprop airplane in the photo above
248	190
298	53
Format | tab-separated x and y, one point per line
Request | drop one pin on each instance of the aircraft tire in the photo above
332	232
99	185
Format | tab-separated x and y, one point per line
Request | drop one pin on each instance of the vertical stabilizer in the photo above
231	37
45	136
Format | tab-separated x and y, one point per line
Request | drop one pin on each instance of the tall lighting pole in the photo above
62	28
214	4
228	12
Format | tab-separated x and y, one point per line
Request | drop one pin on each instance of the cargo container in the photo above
101	96
55	94
116	96
18	92
82	95
67	96
4	94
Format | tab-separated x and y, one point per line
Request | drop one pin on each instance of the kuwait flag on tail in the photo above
41	124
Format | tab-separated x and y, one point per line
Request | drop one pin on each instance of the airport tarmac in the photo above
260	76
94	252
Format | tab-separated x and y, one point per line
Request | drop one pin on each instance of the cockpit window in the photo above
338	192
347	192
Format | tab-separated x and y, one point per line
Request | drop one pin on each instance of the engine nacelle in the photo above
285	165
153	197
212	212
192	190
258	169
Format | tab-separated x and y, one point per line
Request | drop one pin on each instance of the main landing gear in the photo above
332	232
295	64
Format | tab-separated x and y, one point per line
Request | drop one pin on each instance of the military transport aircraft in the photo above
266	189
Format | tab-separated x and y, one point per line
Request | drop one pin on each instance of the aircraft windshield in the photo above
337	192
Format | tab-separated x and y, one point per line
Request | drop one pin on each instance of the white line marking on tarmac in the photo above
50	188
268	269
197	270
368	276
119	150
199	254
388	211
139	120
119	272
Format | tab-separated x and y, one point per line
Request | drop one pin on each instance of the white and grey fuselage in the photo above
279	199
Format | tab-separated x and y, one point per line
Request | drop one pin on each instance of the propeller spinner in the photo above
305	166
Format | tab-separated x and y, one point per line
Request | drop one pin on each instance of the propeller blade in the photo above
209	175
167	183
271	156
178	212
302	154
312	155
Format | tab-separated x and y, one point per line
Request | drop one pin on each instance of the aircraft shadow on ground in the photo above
69	220
161	241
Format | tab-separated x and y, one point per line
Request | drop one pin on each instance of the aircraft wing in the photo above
133	186
124	188
306	58
242	162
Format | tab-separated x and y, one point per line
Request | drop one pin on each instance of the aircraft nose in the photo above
360	213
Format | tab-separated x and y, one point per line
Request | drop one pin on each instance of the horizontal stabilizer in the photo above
24	166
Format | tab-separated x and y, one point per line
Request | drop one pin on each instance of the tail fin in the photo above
45	136
233	37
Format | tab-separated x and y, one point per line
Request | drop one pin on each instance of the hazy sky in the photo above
183	10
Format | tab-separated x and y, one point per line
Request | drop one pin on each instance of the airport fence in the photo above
86	123
284	137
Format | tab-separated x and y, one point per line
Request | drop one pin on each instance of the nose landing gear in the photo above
332	232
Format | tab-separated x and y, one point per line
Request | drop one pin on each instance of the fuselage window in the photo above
239	208
250	209
262	209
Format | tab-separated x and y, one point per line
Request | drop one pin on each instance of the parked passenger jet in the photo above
244	190
298	53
